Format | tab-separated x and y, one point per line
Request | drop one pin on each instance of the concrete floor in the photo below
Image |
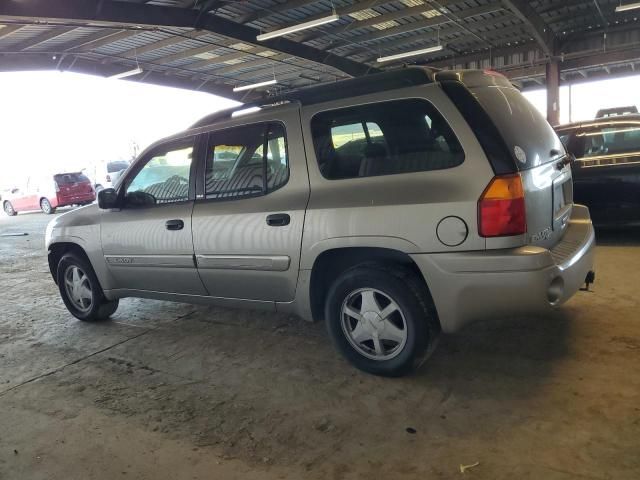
172	391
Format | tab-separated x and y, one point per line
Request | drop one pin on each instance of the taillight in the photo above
108	178
56	186
501	208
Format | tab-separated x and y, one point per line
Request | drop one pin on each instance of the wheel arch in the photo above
58	250
332	262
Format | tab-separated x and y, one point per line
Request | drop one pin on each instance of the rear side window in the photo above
384	139
70	178
246	161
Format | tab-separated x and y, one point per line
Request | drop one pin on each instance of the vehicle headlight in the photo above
48	233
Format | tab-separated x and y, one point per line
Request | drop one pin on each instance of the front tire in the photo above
46	207
8	209
81	291
381	319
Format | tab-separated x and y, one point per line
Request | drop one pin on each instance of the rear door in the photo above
248	219
607	170
538	155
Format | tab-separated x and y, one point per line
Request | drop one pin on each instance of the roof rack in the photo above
376	82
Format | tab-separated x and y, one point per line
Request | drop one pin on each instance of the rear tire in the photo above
81	291
8	209
391	327
46	207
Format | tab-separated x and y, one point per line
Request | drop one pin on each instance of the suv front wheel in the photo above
381	319
80	290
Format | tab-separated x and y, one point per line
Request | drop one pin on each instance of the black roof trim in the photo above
353	87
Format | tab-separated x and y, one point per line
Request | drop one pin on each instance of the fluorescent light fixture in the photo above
128	73
296	28
245	111
628	6
412	53
255	85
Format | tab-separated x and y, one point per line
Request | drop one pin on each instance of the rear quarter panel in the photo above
399	211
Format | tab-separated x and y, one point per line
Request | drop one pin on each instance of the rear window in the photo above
113	167
528	135
384	138
70	178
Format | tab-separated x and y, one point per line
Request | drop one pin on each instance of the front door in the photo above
247	228
148	244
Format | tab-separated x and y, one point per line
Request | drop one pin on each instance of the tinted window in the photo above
113	167
384	139
70	178
522	127
164	178
238	166
608	140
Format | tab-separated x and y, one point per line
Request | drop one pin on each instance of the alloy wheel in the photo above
374	324
78	288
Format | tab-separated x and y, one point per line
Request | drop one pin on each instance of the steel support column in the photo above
553	91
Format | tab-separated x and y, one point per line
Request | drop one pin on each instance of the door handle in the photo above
174	224
278	219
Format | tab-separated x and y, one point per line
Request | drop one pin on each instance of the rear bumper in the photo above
471	286
65	200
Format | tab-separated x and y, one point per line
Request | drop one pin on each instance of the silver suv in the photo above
392	206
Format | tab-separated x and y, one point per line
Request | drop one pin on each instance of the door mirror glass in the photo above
107	199
139	199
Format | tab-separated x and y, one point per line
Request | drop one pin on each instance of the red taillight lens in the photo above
56	186
501	209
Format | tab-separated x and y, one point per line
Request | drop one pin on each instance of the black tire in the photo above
99	308
410	294
8	209
46	207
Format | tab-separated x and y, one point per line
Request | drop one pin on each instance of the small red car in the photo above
48	193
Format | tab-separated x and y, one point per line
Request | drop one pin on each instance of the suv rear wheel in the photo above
46	207
8	209
81	291
381	319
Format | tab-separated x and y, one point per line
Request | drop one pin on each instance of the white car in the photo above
105	174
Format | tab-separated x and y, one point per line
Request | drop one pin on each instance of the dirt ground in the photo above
173	391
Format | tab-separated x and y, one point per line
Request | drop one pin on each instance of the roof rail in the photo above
376	82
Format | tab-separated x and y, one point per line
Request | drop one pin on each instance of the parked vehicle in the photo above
47	193
106	174
612	112
606	173
392	206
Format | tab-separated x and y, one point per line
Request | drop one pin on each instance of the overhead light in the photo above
245	111
628	6
412	53
128	73
255	85
296	28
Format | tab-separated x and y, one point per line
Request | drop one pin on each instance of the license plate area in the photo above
562	200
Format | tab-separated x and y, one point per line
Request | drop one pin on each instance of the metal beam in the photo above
161	44
537	26
413	26
98	41
250	17
110	11
9	29
355	24
42	38
40	61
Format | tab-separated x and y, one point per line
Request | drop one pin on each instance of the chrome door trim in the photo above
164	261
273	263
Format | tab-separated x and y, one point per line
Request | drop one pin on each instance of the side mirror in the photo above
107	199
